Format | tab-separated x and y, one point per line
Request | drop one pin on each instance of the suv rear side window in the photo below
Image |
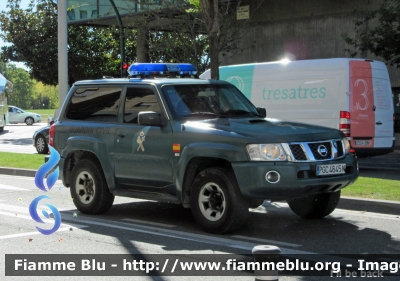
95	104
139	99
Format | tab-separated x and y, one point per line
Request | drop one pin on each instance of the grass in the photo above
44	112
374	188
21	160
371	188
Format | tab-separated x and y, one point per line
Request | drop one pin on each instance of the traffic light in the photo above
125	67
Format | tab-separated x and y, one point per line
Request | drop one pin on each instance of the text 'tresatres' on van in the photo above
353	95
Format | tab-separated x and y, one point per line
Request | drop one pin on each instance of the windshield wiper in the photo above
240	112
204	114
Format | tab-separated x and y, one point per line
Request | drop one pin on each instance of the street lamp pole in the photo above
121	40
62	53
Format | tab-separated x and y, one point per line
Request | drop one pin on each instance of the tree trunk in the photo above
213	41
214	63
142	48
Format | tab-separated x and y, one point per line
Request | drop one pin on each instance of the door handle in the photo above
122	134
378	123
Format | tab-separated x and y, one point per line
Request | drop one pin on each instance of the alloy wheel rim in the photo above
85	187
212	201
40	144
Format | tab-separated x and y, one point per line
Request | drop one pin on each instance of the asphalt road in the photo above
135	226
18	138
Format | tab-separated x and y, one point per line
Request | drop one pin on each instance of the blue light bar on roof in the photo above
161	69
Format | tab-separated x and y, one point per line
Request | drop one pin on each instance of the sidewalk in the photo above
389	161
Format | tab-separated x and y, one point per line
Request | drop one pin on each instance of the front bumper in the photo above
297	179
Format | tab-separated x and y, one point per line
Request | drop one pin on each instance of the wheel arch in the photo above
87	148
194	167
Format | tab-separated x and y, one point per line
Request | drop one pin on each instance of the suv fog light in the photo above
272	177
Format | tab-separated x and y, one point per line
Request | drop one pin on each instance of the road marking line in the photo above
64	226
266	241
337	210
20	209
368	214
182	235
67	228
43	219
150	223
9	187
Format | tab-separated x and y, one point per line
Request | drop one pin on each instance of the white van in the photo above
353	95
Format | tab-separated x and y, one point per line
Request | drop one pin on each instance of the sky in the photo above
3	7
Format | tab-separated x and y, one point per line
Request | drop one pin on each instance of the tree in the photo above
22	93
170	30
204	29
44	96
92	52
222	27
378	33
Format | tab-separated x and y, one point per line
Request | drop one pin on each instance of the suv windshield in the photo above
217	100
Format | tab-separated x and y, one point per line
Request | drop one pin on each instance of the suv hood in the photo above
269	130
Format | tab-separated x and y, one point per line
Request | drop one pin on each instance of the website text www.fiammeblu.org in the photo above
197	265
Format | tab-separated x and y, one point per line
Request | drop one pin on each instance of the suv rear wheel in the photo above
315	206
216	201
89	189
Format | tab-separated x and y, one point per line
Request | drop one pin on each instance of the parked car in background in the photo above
40	139
18	115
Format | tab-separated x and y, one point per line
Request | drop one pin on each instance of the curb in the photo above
374	167
364	205
18	172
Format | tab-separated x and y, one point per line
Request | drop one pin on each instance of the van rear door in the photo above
371	107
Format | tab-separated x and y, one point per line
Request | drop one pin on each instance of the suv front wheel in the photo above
89	189
216	201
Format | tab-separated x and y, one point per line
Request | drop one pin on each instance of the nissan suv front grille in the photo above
316	151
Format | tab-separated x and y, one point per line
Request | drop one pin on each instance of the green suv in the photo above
199	143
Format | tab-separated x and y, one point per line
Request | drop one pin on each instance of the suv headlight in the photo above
346	145
266	152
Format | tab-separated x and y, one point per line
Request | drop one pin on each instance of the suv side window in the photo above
139	99
95	104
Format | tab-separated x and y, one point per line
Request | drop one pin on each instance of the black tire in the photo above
255	203
41	144
89	188
29	121
216	202
315	206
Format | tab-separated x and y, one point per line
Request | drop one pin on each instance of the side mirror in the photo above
262	112
149	118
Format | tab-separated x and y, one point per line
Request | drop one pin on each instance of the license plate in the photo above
362	142
331	169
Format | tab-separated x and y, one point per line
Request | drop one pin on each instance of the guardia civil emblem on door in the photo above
140	140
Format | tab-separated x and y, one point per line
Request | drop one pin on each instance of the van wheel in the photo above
89	189
29	121
315	206
216	201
